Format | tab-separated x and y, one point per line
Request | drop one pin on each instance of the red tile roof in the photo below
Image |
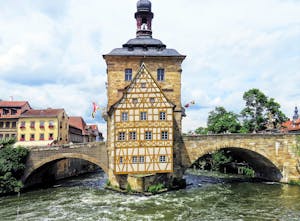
42	113
291	125
13	103
77	122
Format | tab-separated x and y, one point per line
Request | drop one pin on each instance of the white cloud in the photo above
50	51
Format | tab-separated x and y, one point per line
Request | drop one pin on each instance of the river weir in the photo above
206	198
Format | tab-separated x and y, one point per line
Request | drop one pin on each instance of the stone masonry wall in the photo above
278	148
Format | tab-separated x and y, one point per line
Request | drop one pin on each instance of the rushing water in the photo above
207	199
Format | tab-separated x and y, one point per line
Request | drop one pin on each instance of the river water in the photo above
207	198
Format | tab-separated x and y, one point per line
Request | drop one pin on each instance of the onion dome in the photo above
144	5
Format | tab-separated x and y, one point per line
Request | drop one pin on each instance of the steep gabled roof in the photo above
13	104
143	76
42	113
77	122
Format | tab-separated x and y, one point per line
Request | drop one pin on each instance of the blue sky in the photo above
51	51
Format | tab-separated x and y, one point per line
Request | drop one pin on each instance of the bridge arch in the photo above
273	151
262	164
94	152
61	156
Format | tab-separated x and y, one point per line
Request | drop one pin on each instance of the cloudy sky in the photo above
51	51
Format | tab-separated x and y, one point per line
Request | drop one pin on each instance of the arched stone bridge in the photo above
93	152
271	155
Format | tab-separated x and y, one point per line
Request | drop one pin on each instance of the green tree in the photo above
221	121
258	110
273	108
201	130
12	166
219	158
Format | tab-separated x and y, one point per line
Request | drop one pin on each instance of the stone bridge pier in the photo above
93	152
272	156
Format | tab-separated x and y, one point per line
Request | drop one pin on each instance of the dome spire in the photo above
144	18
296	115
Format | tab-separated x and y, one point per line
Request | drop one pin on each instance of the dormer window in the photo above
128	74
5	111
143	85
13	112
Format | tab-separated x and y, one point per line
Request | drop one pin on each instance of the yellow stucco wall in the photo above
59	130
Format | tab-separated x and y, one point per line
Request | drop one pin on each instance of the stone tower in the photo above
144	109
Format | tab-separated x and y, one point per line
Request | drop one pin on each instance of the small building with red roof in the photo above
292	126
10	112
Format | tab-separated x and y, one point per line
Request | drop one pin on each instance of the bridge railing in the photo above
241	135
65	146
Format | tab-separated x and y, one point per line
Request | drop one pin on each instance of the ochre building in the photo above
43	127
144	107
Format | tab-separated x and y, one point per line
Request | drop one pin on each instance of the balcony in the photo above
22	127
42	127
32	127
22	139
42	139
32	139
50	138
51	126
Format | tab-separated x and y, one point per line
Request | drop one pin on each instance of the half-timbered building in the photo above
144	105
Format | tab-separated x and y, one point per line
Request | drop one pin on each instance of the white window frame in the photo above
162	159
132	135
143	116
128	74
122	136
164	135
134	159
124	116
160	74
148	135
162	116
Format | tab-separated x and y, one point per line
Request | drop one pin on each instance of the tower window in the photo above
142	159
143	85
124	116
132	135
162	159
134	159
128	74
162	115
160	74
164	135
148	135
143	116
121	136
121	160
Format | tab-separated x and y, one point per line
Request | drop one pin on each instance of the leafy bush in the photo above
248	171
128	188
295	182
156	188
12	166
